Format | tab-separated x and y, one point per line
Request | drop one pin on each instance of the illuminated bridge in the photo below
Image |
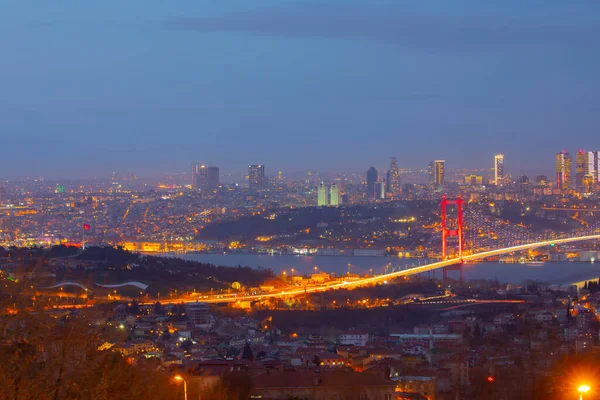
386	277
136	284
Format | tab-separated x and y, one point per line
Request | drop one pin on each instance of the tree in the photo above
185	345
317	360
477	331
247	353
134	308
165	334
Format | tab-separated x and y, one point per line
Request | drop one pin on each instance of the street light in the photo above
180	378
583	389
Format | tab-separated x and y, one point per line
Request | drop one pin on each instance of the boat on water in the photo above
532	263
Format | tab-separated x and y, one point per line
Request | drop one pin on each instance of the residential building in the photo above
322	385
354	338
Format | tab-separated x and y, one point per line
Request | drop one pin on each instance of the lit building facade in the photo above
564	165
380	190
193	175
591	172
499	169
436	174
393	178
580	169
474	180
322	195
256	177
334	195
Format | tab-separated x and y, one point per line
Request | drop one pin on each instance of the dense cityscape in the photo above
300	200
106	252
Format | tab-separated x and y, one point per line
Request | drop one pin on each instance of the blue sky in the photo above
150	86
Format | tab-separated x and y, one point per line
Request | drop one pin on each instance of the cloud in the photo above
401	26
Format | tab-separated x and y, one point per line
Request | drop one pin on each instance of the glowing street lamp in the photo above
583	389
180	378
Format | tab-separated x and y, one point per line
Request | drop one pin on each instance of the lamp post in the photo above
583	389
180	378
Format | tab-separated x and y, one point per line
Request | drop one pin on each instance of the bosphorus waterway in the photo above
564	272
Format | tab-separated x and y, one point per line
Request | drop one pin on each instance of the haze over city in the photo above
151	86
300	200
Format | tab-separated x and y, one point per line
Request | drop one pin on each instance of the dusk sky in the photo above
150	86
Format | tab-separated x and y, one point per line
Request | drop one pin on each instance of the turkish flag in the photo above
86	227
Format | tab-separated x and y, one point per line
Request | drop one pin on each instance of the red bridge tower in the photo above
452	232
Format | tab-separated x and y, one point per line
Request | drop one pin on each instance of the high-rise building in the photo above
499	169
203	178
587	171
393	178
380	190
256	177
563	170
436	174
280	177
334	195
593	165
192	176
371	179
322	195
580	167
212	180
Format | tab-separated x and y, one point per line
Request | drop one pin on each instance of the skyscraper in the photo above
380	190
436	174
334	195
256	177
499	169
322	195
394	185
192	176
563	170
581	165
212	180
592	171
371	179
201	178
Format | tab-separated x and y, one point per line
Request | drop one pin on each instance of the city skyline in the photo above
274	199
401	65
